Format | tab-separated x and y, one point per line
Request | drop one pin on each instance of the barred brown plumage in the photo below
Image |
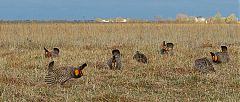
140	57
63	74
203	65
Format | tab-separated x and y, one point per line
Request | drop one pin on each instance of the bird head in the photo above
224	48
78	72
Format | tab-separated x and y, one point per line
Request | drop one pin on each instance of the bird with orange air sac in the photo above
220	57
63	74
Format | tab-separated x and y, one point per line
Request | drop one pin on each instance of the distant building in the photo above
200	19
119	20
112	20
123	20
105	20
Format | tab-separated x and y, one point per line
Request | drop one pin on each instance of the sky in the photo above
92	9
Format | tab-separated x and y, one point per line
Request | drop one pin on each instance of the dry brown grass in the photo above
23	65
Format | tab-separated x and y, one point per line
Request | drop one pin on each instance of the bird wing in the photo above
58	76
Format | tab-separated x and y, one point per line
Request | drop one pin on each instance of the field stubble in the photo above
23	66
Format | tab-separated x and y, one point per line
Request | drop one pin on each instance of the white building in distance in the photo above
200	19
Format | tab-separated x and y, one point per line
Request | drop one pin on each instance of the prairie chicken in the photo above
166	48
220	57
115	61
203	65
140	57
63	74
51	54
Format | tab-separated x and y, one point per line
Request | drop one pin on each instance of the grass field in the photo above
170	78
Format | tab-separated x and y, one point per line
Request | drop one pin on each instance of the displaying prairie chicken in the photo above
115	61
63	74
203	65
51	54
140	57
220	57
166	48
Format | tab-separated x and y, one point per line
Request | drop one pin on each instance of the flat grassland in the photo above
165	78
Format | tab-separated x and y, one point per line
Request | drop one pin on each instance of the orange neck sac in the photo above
215	58
77	73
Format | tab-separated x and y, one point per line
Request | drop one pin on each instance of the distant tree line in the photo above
218	18
180	18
